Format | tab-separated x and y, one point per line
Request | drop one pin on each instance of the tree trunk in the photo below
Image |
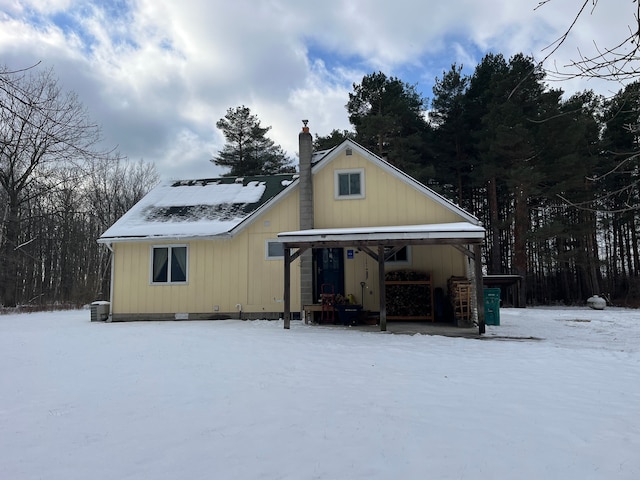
8	256
494	231
592	255
634	246
521	227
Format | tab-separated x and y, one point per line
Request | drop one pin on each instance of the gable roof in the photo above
196	208
222	206
320	163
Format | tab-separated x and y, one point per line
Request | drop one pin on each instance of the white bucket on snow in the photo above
596	302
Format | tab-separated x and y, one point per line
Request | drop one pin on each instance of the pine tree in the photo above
619	183
387	114
247	150
451	139
336	137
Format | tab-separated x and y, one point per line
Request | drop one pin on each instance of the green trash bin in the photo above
492	306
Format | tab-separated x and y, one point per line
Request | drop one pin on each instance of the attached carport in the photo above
465	236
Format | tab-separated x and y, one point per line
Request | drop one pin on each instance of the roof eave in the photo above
163	238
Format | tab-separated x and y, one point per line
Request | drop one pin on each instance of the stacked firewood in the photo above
408	299
406	276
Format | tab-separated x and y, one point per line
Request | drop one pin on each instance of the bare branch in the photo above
619	62
624	161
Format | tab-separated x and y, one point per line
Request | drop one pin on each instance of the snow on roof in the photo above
195	208
212	194
456	230
319	155
213	207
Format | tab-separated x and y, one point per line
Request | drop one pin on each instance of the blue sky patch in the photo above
421	73
116	16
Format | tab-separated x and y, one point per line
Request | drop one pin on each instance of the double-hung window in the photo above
349	183
169	264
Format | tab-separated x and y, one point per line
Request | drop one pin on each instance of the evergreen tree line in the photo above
553	178
58	194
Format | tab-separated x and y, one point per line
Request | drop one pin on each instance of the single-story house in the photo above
271	246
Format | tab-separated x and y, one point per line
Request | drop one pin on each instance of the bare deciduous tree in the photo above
618	62
42	129
113	187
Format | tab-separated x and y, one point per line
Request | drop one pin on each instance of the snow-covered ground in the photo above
250	400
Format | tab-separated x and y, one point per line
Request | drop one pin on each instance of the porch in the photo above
374	241
446	329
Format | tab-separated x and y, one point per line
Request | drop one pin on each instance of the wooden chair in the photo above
328	301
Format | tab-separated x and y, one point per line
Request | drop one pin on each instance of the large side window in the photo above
349	183
169	264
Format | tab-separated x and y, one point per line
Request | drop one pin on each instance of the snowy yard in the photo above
250	400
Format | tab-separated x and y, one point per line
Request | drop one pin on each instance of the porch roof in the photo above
456	234
438	233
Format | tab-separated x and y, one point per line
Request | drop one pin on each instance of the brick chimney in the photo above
305	142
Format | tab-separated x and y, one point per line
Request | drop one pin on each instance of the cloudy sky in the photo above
158	74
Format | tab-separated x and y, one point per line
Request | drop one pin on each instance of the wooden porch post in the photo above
287	288
381	289
477	262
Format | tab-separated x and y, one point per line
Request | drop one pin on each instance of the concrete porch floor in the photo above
412	328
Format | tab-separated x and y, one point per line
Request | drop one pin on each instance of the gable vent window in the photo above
349	184
348	152
169	264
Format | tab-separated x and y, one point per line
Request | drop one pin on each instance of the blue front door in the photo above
329	265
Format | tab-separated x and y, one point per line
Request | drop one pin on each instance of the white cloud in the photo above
159	74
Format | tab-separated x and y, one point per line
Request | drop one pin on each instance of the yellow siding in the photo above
223	273
388	200
266	277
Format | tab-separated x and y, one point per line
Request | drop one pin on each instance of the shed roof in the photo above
455	232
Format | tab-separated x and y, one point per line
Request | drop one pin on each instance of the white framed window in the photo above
349	184
273	250
401	257
169	264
